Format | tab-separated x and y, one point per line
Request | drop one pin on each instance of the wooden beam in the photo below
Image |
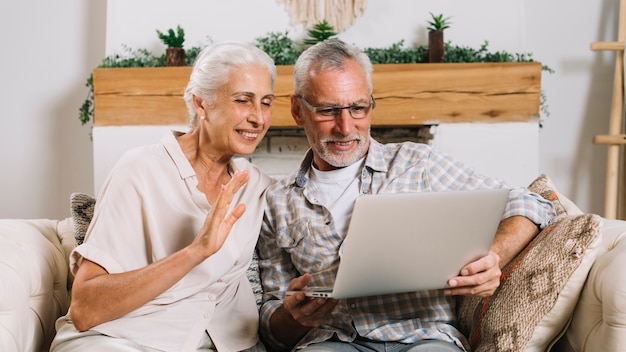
451	93
611	46
406	94
609	139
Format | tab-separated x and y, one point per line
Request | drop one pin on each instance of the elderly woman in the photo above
163	264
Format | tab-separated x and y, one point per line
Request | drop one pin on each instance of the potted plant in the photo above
174	54
320	32
435	37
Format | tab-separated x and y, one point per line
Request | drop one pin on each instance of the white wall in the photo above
49	48
579	93
507	151
46	153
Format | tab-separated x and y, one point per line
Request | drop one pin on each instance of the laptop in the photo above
406	242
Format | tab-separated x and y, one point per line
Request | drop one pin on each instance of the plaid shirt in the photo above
298	236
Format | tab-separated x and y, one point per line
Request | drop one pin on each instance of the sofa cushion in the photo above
81	208
599	320
539	288
34	276
544	186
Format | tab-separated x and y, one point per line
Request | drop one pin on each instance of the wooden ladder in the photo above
615	139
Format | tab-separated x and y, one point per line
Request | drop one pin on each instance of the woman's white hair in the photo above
213	67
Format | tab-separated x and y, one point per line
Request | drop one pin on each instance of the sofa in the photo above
544	303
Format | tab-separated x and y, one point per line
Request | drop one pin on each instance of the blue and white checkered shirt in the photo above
298	236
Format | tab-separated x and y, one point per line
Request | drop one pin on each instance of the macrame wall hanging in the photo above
340	14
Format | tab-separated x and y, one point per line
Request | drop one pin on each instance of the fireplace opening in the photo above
282	149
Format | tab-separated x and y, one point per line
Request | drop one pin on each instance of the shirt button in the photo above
212	297
352	305
206	315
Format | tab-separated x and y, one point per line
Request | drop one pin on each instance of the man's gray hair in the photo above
330	54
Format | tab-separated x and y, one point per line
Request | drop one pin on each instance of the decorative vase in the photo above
435	46
175	57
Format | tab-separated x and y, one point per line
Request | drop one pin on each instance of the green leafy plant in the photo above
85	112
397	53
133	58
438	23
279	47
172	39
320	32
191	54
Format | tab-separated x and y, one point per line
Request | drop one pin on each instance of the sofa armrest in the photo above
599	320
65	233
33	283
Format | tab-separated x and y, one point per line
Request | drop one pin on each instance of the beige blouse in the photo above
149	208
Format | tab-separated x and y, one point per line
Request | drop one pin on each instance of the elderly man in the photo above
307	217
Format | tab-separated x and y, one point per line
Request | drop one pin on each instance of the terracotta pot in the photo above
435	46
175	57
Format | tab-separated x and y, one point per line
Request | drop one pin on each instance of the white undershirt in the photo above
337	191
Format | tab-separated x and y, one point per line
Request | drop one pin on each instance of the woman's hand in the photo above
218	223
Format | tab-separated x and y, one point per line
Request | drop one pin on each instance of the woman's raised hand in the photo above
219	222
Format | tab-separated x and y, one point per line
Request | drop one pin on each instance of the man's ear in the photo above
296	111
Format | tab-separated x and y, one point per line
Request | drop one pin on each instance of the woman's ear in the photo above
198	107
296	111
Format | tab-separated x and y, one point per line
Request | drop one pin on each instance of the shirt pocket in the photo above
313	247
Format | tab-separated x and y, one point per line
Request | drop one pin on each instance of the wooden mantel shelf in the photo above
406	94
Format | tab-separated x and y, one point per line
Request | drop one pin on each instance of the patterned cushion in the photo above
254	276
543	186
539	288
81	208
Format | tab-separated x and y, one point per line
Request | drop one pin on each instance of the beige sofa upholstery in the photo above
34	288
34	281
599	321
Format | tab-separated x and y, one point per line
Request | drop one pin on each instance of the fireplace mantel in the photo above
406	94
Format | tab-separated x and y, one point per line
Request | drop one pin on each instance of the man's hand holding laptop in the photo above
301	313
480	278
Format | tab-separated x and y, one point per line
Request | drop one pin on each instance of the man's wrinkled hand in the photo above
480	278
307	311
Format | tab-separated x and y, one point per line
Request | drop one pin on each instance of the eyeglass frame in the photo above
336	110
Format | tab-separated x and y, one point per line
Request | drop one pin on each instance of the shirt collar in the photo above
301	176
172	148
375	159
185	170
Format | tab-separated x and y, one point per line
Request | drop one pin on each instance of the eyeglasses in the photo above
358	110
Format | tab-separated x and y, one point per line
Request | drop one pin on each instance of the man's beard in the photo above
340	160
